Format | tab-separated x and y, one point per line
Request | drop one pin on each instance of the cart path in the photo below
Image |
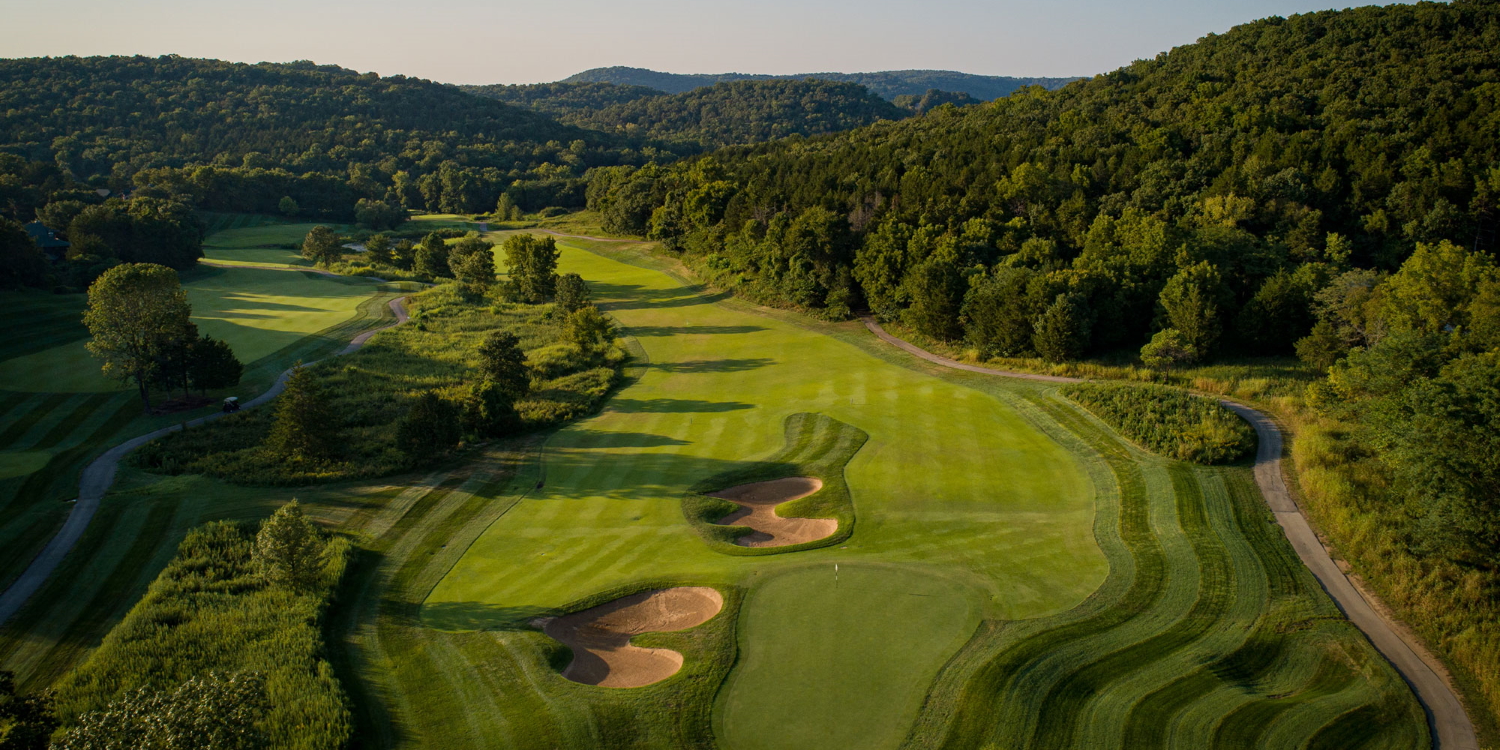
100	474
1450	725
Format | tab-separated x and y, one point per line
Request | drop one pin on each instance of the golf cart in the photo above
231	404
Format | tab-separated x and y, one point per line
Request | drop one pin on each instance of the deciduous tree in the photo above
135	312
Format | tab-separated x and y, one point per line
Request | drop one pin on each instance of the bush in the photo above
1169	421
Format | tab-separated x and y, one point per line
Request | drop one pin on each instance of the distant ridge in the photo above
888	84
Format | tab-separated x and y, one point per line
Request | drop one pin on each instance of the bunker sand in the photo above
758	503
600	636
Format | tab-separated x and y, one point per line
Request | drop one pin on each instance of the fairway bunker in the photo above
600	636
758	503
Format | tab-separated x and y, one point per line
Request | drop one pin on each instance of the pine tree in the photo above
1062	330
322	246
502	362
287	550
429	428
572	293
305	428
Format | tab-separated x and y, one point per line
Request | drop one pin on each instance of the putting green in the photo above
817	670
952	479
256	311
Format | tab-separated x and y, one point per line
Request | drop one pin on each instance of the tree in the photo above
502	362
26	721
572	293
135	312
1281	313
532	263
1062	330
305	429
997	312
1167	349
936	288
378	249
210	712
21	263
288	206
404	255
288	551
472	261
489	409
323	246
1193	302
589	330
506	209
378	214
432	257
213	365
429	428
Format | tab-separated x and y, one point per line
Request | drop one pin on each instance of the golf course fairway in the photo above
953	481
257	311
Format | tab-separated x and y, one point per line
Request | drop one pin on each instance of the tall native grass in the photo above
1456	610
210	611
1168	421
369	390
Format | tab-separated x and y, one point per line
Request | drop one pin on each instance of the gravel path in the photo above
1450	725
100	474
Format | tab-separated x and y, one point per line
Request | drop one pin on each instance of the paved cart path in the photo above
1450	725
100	474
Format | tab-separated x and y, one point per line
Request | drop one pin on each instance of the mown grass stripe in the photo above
21	426
74	419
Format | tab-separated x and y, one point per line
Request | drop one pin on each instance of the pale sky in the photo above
501	41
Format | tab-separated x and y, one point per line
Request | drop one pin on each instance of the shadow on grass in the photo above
636	297
587	439
676	406
639	331
697	366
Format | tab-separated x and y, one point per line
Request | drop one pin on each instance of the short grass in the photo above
817	670
273	244
257	311
951	479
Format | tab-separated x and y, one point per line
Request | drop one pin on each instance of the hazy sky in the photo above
501	41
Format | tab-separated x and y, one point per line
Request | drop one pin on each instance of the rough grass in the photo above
1169	421
816	446
209	611
370	389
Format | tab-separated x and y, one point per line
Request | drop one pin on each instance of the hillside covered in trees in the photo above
1216	188
729	113
888	84
241	137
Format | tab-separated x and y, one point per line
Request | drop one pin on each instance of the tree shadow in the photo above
606	439
695	366
636	297
676	406
453	616
641	331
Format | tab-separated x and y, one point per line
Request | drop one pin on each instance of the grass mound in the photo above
816	446
210	611
1169	421
372	388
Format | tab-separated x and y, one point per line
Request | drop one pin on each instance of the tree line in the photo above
1210	192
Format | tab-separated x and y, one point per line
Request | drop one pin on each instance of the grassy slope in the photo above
46	438
1009	536
1207	631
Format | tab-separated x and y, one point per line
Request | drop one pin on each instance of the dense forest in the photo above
241	137
1212	190
733	112
888	84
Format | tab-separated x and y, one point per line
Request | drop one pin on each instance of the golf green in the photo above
952	480
256	311
838	656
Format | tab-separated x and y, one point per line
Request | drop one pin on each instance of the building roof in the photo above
43	237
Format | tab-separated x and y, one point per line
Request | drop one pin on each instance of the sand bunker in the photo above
600	636
758	503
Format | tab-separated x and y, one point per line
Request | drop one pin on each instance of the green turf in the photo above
840	658
951	479
273	244
256	311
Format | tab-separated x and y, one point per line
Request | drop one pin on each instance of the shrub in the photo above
1168	421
